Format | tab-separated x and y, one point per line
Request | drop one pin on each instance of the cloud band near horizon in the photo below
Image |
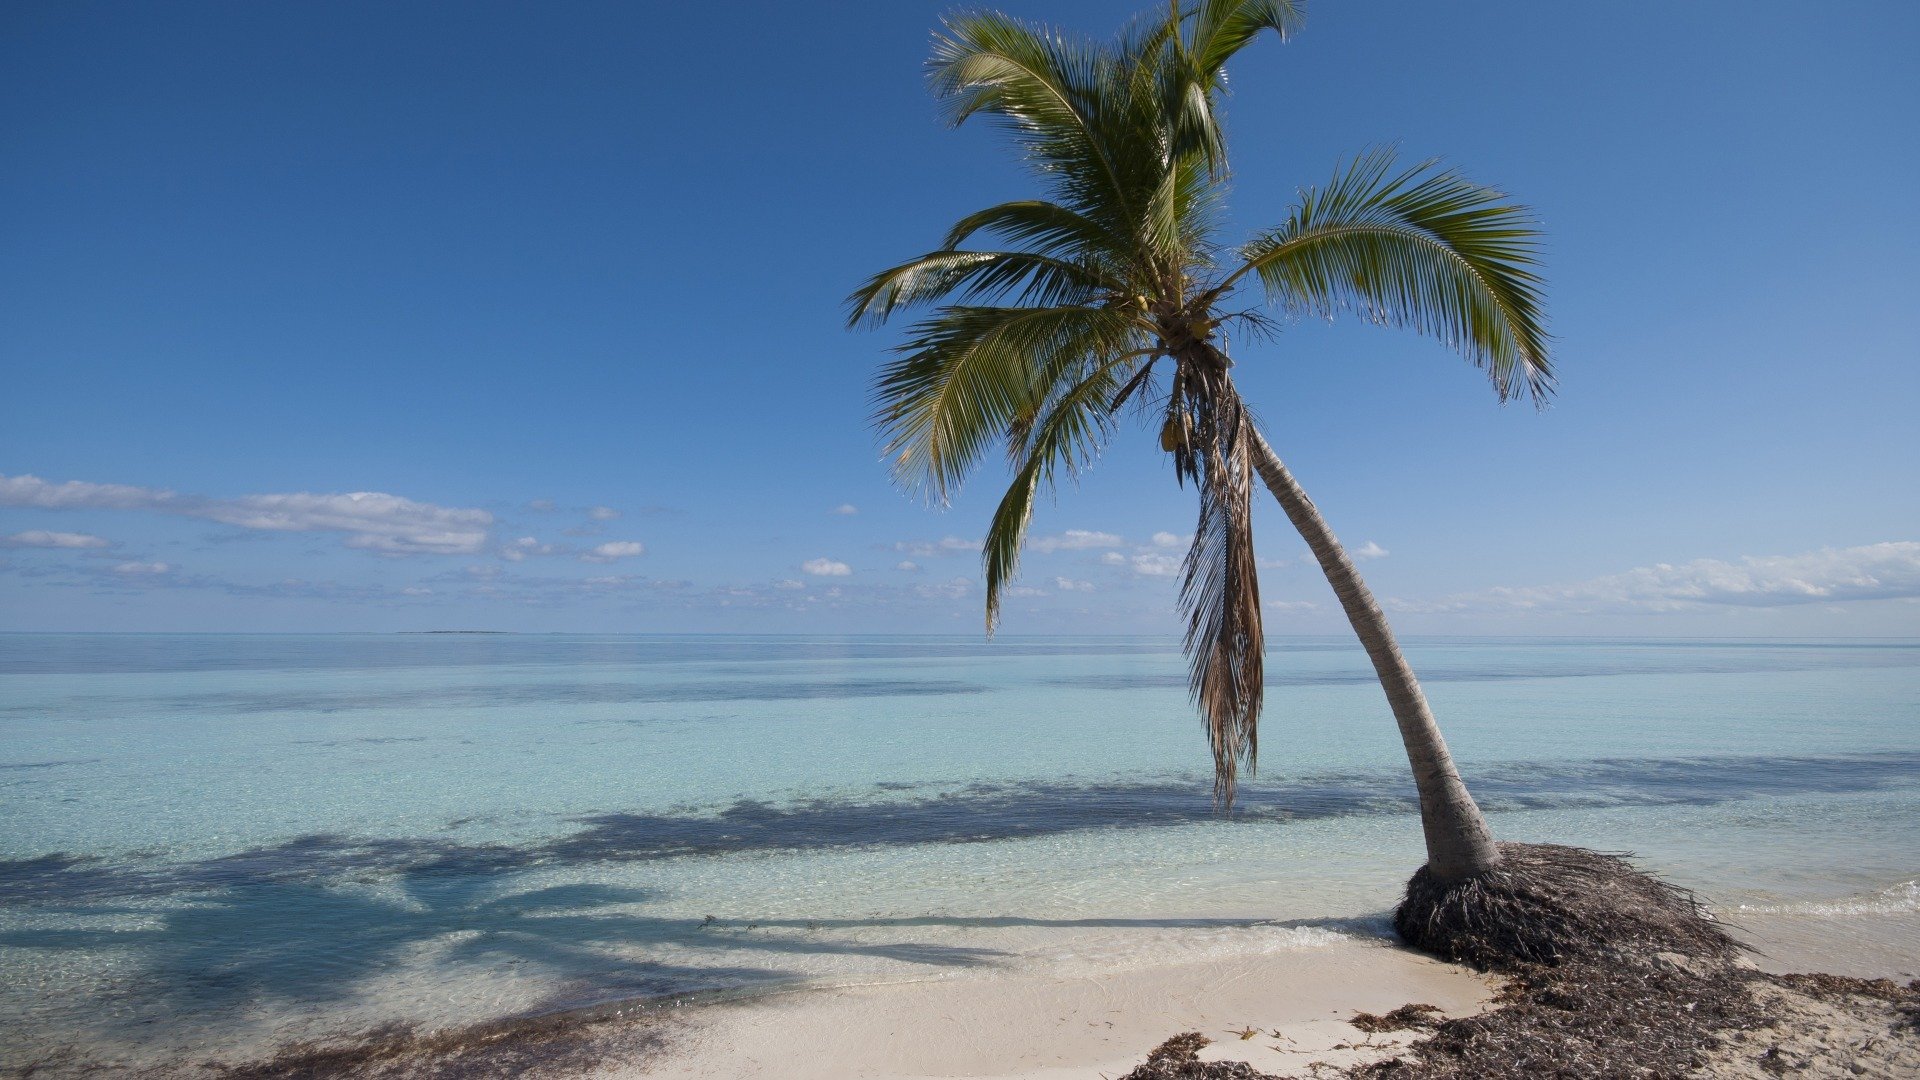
371	520
1884	571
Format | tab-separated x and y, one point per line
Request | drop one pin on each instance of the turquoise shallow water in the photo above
222	842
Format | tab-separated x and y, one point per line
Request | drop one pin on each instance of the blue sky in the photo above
559	287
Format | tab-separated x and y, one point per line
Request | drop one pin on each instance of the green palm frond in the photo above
1068	103
979	277
1192	47
966	375
1182	215
1006	535
1422	248
1039	225
1222	28
1067	436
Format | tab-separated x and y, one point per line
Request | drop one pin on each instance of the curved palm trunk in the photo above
1458	841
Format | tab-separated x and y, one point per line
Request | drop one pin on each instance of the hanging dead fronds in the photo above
1209	434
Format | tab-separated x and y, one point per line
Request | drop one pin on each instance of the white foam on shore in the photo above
1900	899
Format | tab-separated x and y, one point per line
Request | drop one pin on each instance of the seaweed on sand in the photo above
1609	973
1411	1015
552	1045
1178	1059
1612	972
1588	1018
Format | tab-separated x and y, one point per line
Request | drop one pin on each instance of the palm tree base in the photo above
1610	973
1548	904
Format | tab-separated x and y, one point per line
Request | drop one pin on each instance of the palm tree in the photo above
1112	291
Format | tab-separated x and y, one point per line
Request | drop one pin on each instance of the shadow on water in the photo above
313	942
301	946
319	919
905	814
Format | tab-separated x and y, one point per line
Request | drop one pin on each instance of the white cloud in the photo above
541	505
1070	585
142	569
824	567
1831	575
925	549
1113	558
1290	606
953	589
907	566
525	546
1075	540
372	520
1024	590
416	590
1370	550
77	494
1153	565
614	549
1170	540
603	513
846	509
39	538
789	585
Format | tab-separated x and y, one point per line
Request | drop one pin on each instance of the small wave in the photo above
1901	899
1106	955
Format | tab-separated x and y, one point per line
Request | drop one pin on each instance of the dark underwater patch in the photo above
573	693
133	654
980	813
1596	665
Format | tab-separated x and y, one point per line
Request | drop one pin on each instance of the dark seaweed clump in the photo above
555	1045
1609	973
1176	1059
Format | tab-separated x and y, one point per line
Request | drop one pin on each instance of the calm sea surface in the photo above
213	844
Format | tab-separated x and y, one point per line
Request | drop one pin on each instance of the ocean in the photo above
218	844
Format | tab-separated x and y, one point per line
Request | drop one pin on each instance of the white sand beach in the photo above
1044	1027
1280	1012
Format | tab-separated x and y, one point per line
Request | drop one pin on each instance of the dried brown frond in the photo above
1220	588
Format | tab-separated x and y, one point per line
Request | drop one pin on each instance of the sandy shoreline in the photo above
1034	1026
1046	1021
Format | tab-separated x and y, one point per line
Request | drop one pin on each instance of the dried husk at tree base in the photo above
1546	903
1610	974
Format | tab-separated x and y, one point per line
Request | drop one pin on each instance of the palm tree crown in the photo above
1113	290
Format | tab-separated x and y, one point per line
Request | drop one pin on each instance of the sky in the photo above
405	316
